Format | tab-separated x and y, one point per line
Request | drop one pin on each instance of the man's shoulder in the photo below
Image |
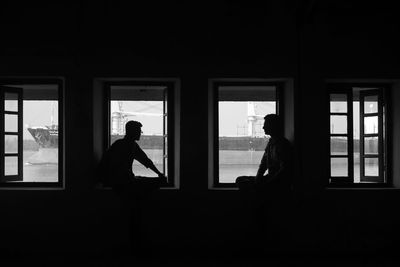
281	142
123	143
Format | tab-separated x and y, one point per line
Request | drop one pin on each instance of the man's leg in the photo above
141	188
145	186
247	189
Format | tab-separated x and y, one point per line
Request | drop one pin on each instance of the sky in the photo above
36	114
232	115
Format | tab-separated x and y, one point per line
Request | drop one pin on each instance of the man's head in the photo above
133	129
272	125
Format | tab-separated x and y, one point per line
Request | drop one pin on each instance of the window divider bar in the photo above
2	141
339	156
11	133
372	135
370	156
11	112
371	114
339	135
339	113
11	154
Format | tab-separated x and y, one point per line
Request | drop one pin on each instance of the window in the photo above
152	104
238	140
31	142
357	134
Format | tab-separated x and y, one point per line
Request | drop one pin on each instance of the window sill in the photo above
387	188
27	188
223	188
107	188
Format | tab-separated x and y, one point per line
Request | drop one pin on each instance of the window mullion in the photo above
165	135
350	134
2	144
380	135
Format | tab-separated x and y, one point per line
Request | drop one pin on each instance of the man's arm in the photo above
283	154
263	167
148	163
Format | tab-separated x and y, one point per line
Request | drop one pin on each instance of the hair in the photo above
275	121
131	126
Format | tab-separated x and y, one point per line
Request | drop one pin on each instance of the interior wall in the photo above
194	43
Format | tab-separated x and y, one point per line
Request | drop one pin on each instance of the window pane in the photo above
338	124
371	167
371	125
356	168
10	144
156	155
165	147
339	146
150	115
11	166
371	104
241	137
11	123
339	167
165	166
371	145
40	139
338	103
165	124
11	102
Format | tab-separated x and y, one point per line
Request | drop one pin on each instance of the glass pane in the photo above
242	139
339	167
356	166
11	123
371	167
10	144
165	166
338	124
371	104
11	166
165	146
10	102
371	125
40	140
371	145
338	145
338	103
165	124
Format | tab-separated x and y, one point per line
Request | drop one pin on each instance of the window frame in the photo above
60	82
213	134
173	119
347	88
19	154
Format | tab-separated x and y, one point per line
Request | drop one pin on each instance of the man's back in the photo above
117	162
280	159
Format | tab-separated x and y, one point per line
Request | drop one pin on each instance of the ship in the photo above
47	139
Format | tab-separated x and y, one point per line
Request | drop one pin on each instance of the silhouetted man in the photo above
269	193
120	157
116	169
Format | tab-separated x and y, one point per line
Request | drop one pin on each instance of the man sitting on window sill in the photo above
268	194
115	170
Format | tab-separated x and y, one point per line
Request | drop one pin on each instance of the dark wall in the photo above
306	41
